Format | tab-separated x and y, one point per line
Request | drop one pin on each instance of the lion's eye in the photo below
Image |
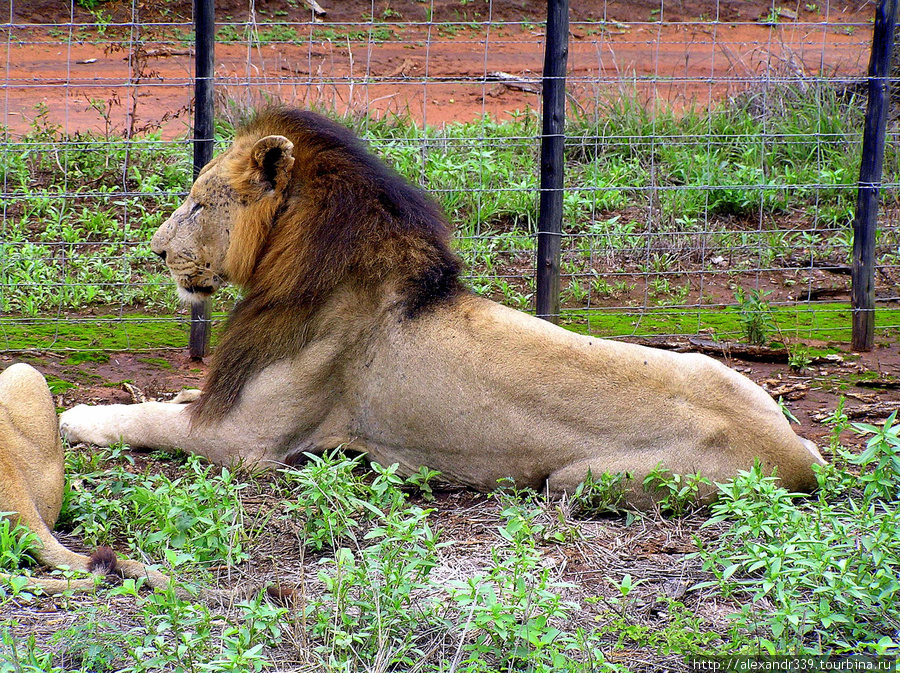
196	209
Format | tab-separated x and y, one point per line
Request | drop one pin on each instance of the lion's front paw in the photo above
187	396
91	425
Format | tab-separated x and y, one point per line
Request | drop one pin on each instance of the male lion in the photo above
355	330
31	482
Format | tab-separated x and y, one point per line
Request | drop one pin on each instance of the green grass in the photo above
814	575
88	335
820	322
760	186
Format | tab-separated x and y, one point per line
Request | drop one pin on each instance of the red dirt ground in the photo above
438	72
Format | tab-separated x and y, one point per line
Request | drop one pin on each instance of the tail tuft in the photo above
103	562
281	594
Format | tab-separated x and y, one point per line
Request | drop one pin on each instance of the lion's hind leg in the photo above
32	482
50	552
20	509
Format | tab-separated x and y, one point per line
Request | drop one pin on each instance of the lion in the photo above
32	484
355	331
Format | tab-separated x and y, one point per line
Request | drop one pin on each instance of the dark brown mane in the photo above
347	220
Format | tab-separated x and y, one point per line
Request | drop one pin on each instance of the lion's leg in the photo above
27	399
162	425
32	482
29	439
15	498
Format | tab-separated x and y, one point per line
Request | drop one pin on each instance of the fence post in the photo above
556	52
866	219
204	133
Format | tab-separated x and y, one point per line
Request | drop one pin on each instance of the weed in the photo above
799	358
91	644
194	519
373	596
828	569
677	494
683	632
421	481
755	315
512	608
17	543
603	494
327	497
880	462
19	657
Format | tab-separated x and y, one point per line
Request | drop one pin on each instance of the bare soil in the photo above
439	71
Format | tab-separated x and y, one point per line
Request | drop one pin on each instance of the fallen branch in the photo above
877	410
728	349
881	383
787	391
816	294
514	82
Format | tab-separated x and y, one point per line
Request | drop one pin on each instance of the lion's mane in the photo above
346	222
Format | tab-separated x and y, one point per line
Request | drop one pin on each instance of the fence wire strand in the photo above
711	158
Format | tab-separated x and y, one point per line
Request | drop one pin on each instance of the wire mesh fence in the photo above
712	154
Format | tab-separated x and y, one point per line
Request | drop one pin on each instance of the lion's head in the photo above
294	210
234	195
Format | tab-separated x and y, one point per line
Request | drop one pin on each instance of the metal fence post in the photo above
870	169
204	133
556	52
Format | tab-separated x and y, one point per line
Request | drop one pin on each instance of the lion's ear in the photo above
271	161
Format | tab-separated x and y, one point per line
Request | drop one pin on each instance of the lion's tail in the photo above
103	563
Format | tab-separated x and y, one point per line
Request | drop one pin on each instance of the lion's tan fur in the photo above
32	481
354	330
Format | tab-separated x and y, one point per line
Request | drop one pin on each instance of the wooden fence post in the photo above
556	51
204	138
870	169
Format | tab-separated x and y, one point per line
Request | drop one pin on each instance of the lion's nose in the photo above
158	243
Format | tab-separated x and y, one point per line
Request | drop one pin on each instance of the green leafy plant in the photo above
422	480
603	494
512	607
799	358
328	498
677	494
198	515
24	657
755	315
17	543
880	462
828	569
372	602
92	644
